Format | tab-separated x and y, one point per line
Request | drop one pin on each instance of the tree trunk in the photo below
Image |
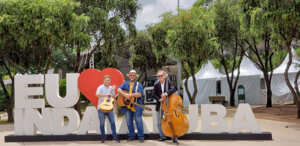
145	74
298	110
77	70
297	99
297	86
286	77
140	77
269	95
232	100
186	84
9	102
10	105
269	90
193	101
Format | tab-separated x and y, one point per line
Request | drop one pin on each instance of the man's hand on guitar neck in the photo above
163	97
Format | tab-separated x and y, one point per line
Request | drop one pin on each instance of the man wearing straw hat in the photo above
134	89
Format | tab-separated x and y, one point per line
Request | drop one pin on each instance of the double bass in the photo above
174	123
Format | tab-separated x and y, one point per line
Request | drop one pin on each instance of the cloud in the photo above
152	10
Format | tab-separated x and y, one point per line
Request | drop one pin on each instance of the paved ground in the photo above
284	134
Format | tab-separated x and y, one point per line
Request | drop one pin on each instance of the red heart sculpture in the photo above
90	79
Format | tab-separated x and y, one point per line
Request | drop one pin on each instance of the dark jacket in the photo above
157	91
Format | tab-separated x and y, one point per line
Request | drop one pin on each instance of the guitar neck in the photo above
144	107
138	105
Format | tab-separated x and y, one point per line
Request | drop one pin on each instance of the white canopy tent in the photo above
250	78
247	68
281	92
251	85
206	79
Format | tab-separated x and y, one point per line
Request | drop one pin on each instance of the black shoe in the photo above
131	139
141	140
162	139
103	140
175	140
116	140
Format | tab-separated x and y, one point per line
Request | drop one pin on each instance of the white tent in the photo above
206	79
7	81
250	78
247	68
251	85
281	93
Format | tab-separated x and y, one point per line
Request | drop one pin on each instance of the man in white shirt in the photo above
106	90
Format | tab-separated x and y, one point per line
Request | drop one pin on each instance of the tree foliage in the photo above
191	41
142	55
256	30
231	46
105	27
284	16
31	30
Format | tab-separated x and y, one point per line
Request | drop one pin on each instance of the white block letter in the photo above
19	118
33	119
154	118
244	120
52	90
22	91
59	127
193	117
208	119
90	121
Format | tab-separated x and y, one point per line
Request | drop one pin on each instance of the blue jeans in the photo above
159	117
111	119
129	115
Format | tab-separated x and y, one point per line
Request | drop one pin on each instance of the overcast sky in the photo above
152	9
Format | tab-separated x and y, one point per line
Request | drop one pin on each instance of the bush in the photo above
62	91
2	101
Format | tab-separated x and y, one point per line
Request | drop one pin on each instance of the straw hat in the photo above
132	72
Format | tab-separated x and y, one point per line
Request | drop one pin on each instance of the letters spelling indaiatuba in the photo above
28	120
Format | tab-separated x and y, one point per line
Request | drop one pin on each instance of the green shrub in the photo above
2	101
62	91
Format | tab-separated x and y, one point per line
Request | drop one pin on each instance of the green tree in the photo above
256	31
158	33
191	41
59	60
230	50
107	35
29	32
8	93
284	16
142	55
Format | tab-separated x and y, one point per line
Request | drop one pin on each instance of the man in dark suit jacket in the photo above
160	92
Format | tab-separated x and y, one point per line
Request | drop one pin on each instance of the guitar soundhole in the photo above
126	102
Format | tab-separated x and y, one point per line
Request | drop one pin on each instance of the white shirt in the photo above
162	87
104	90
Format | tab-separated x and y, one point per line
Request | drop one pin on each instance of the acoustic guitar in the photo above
129	103
107	105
